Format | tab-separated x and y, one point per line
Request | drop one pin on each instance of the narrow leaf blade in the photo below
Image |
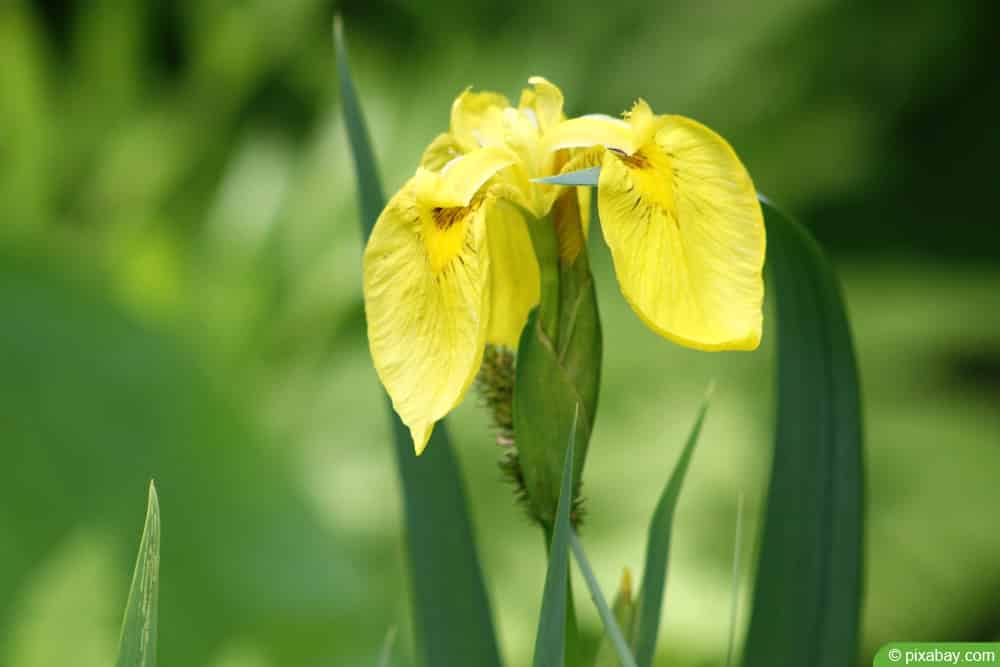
370	193
550	641
654	575
451	609
137	644
582	177
807	600
611	627
385	658
734	593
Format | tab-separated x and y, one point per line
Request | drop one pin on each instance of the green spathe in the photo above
558	369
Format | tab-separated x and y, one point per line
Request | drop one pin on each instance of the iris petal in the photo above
426	328
545	100
460	179
594	130
477	119
440	152
687	237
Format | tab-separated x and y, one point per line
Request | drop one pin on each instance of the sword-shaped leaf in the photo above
807	597
451	609
550	641
137	644
654	575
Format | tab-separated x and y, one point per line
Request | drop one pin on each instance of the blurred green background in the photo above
180	299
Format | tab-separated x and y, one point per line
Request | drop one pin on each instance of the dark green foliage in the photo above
807	593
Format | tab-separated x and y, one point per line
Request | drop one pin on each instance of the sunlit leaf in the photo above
137	645
385	657
451	609
808	585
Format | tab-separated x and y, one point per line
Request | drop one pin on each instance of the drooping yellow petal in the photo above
544	101
516	279
592	130
427	317
440	152
476	119
687	237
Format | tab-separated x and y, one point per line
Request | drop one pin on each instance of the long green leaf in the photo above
806	607
137	644
654	575
550	641
451	609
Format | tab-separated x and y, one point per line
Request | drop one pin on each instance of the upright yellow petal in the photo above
516	279
477	119
427	320
544	101
687	237
645	124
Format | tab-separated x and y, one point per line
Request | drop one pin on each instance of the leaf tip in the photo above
710	390
338	31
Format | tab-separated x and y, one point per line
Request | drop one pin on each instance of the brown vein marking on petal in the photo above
637	160
444	218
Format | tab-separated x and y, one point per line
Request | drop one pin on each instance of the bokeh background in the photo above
180	299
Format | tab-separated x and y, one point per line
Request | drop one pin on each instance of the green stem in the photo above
610	624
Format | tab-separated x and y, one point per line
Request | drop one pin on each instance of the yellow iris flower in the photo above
450	264
681	217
